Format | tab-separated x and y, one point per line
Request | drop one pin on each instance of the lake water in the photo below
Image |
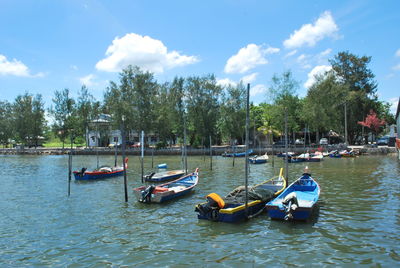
358	221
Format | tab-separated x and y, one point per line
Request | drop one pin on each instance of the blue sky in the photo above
51	45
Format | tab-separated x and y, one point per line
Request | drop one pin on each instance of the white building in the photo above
102	134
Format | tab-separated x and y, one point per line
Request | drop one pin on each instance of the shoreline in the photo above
216	150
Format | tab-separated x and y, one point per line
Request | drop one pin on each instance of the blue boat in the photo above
167	191
164	176
102	172
242	154
297	201
164	165
232	208
262	159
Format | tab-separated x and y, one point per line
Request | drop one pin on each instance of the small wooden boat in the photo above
258	159
297	201
232	208
242	154
164	176
100	173
167	191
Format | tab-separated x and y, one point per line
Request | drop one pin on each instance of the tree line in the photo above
206	109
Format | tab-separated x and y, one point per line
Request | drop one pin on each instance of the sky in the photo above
51	45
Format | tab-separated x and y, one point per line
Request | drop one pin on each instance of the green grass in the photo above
57	143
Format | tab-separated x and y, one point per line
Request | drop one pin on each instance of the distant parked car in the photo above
282	143
323	141
383	140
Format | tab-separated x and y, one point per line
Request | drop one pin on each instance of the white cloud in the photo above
396	67
393	105
304	61
326	52
88	80
291	53
318	70
310	34
248	58
14	67
226	82
249	78
147	53
257	90
74	67
397	53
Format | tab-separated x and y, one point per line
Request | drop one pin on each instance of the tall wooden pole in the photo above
115	153
142	153
69	169
123	159
247	152
98	143
286	150
233	153
345	123
184	145
152	158
210	154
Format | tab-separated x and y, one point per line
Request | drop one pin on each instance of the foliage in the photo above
29	119
372	121
64	114
202	105
233	113
6	123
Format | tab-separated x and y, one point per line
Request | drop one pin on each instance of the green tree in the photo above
64	114
6	123
233	113
202	104
282	91
134	99
85	111
353	73
38	118
29	118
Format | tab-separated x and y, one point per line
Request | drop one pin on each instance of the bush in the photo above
161	145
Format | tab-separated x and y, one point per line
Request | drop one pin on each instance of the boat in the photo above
258	159
306	158
232	208
101	172
335	154
348	153
167	191
242	154
164	165
164	176
284	154
297	201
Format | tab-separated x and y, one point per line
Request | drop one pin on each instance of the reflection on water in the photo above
357	220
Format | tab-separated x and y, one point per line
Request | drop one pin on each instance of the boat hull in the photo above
167	191
97	175
165	176
236	212
304	193
257	161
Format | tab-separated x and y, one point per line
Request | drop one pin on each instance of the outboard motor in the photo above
146	194
290	204
82	172
149	176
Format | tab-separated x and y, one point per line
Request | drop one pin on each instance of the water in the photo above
358	221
